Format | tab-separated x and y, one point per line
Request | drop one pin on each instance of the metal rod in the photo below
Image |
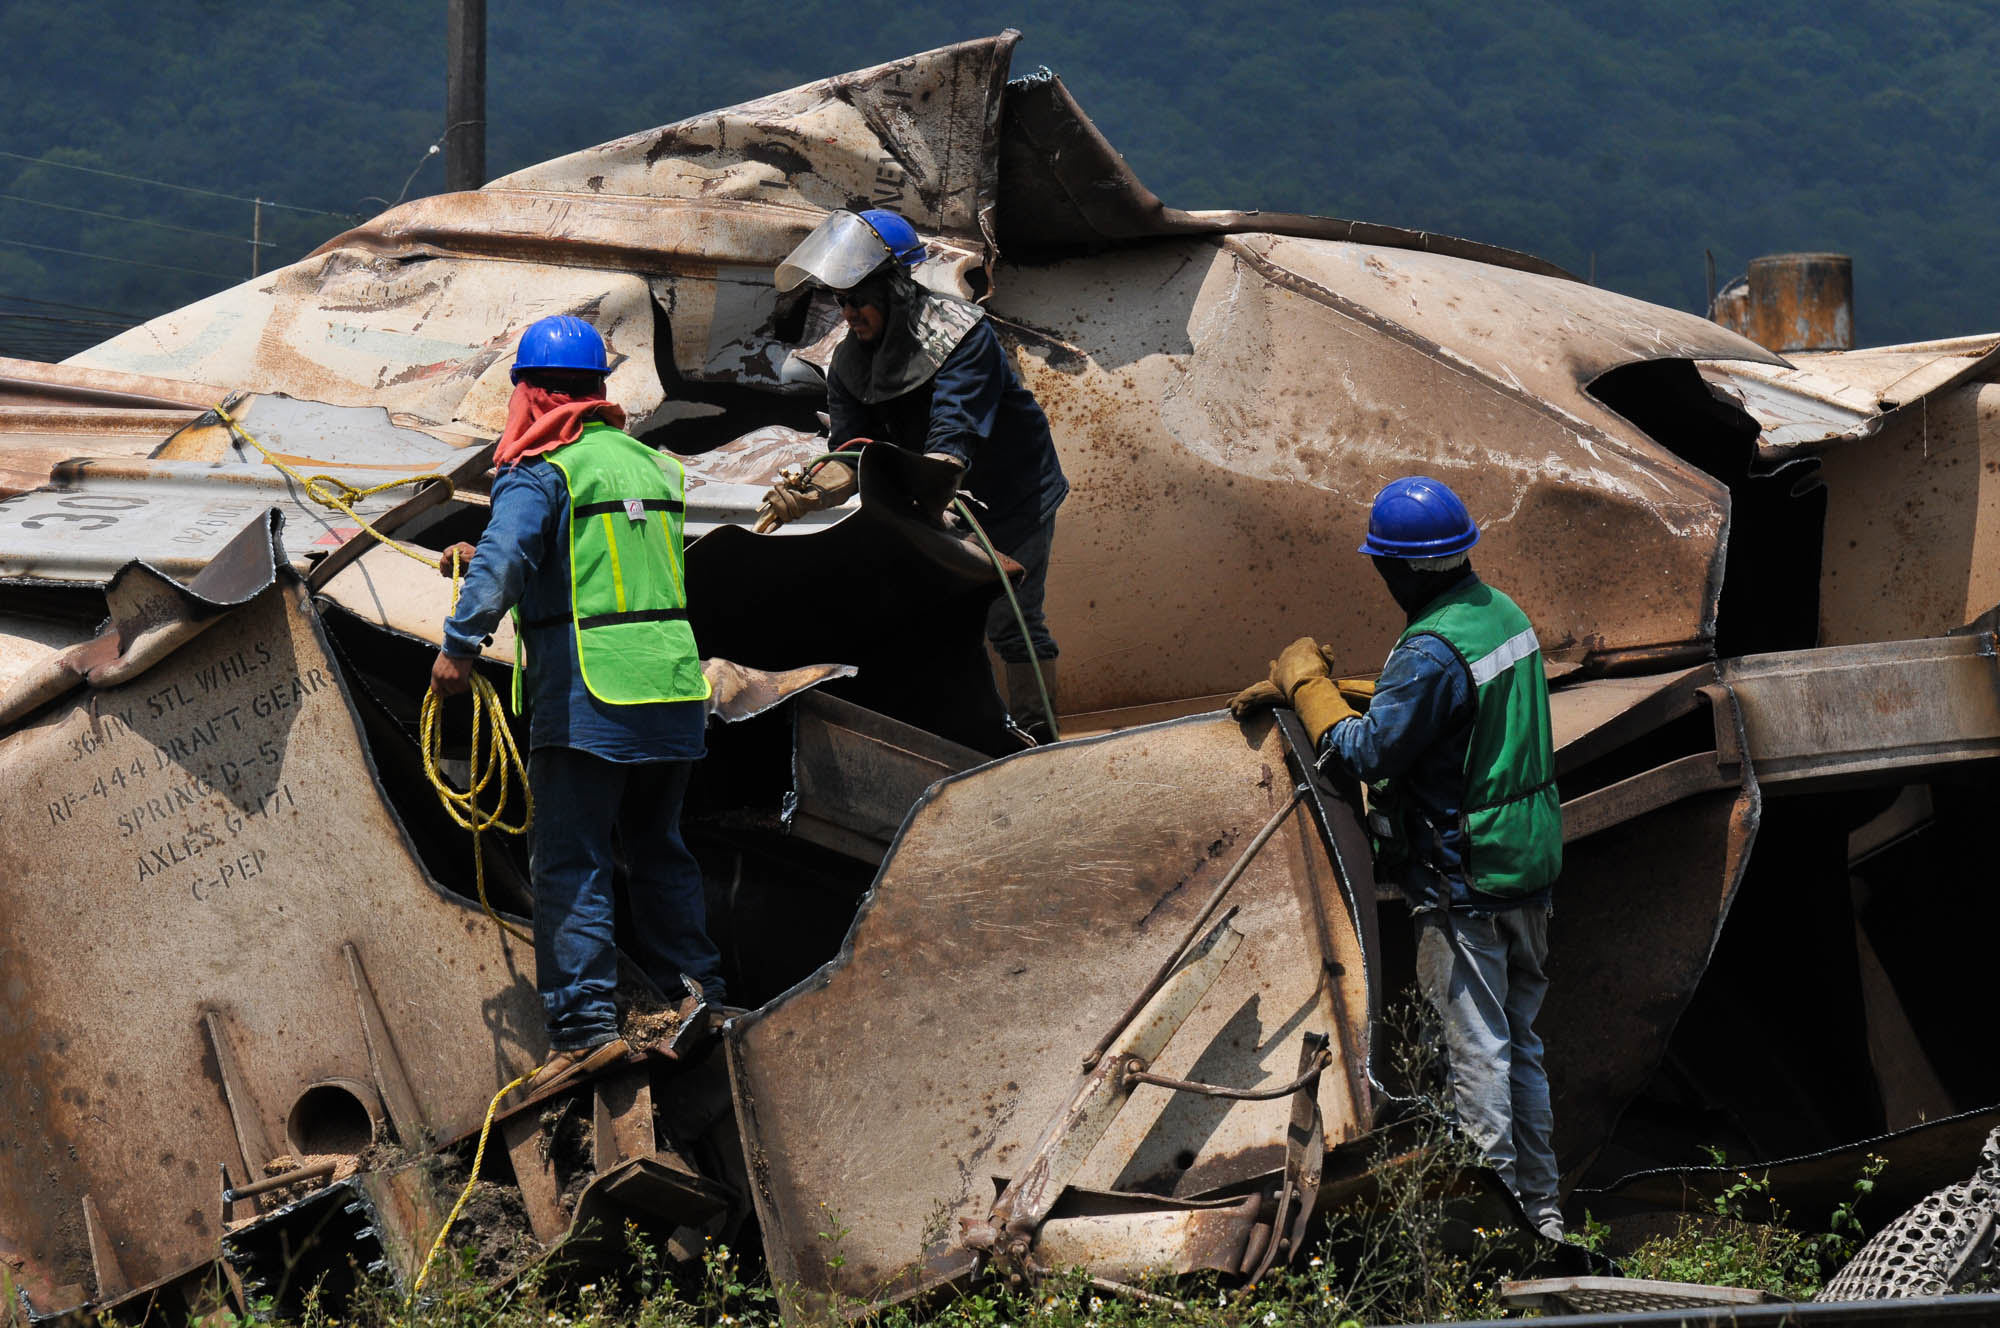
314	1172
256	234
1239	1094
1195	928
1154	1299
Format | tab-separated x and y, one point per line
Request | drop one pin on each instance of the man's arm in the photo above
966	394
518	531
1422	696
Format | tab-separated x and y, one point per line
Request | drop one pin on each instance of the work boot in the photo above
700	1021
1024	699
564	1069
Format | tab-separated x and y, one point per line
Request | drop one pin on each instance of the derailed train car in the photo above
1012	1001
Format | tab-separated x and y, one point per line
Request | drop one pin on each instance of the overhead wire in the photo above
168	184
136	221
113	258
71	305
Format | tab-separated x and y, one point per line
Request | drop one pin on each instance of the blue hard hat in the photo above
1418	517
897	234
560	341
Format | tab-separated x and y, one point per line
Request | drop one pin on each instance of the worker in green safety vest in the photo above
583	545
1456	751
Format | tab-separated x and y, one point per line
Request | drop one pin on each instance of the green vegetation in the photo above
1631	136
1748	1239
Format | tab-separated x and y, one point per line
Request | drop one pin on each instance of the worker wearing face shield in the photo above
1456	749
926	372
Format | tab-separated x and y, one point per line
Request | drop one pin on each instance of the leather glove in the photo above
1260	695
1358	691
1320	706
831	485
1299	661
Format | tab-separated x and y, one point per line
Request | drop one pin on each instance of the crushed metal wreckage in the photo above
1112	1002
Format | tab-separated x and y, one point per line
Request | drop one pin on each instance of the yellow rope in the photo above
343	501
500	757
497	757
478	1156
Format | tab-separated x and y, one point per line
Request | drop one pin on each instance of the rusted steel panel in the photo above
32	383
1822	399
916	135
1868	713
1794	407
893	1087
856	774
1222	473
431	337
311	434
1127	1239
758	456
1912	544
26	644
175	515
183	859
1638	910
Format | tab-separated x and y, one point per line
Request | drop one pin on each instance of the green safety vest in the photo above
1512	817
628	592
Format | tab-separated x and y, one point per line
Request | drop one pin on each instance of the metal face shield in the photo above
840	252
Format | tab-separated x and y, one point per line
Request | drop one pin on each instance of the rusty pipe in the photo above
1136	1073
316	1171
1195	928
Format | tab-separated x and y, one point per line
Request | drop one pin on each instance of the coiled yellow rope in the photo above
499	757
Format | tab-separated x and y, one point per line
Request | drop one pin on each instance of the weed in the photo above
1746	1239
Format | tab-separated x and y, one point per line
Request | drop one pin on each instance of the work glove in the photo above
1297	662
1320	706
795	494
1264	694
1300	672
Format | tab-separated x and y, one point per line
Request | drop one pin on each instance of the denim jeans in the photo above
1484	977
581	803
1032	552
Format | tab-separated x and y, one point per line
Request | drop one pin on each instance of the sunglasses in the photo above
849	300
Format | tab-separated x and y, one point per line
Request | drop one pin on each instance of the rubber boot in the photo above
1024	699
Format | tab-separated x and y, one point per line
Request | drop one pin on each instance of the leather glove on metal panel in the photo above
1260	695
830	486
1299	661
1320	706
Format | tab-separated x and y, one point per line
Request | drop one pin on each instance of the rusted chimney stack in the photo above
1791	302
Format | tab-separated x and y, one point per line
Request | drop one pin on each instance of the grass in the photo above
1747	1238
1407	1251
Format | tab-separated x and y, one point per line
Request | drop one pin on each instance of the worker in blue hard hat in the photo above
583	546
1456	750
926	372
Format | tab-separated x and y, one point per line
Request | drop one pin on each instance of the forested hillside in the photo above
1623	139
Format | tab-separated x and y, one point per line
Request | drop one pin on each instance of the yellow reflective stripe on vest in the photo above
628	600
617	567
673	562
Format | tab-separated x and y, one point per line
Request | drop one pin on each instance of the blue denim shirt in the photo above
975	409
1416	730
523	559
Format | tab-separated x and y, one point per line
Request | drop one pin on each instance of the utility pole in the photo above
256	235
465	94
